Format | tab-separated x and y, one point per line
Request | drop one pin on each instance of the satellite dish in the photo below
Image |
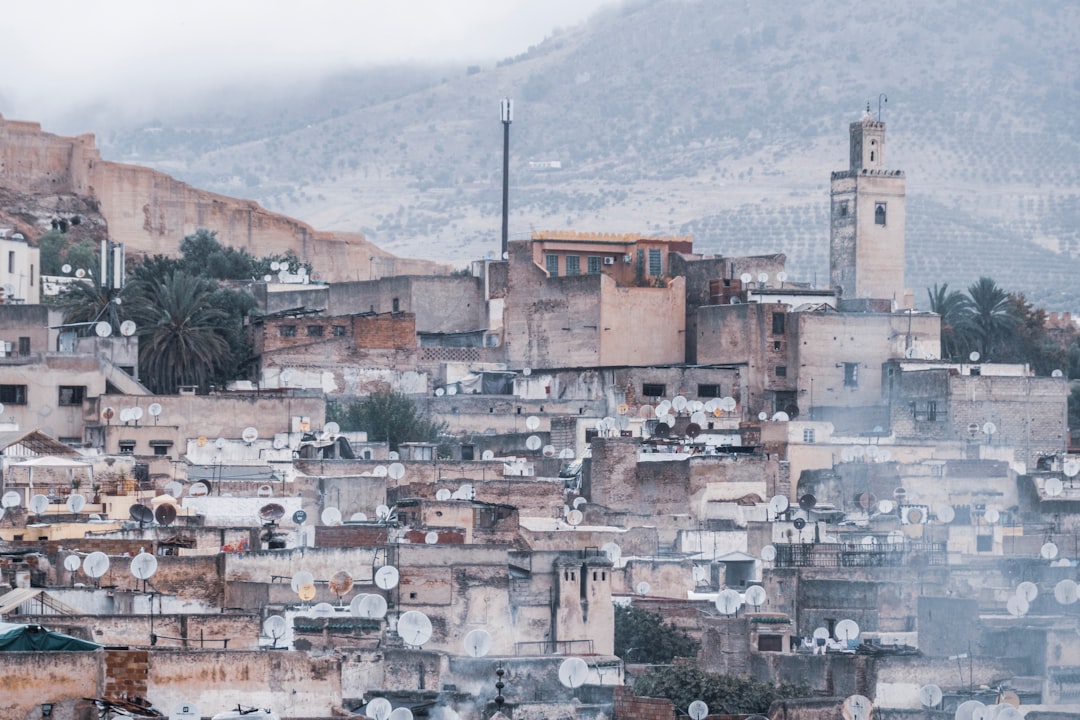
612	550
642	588
574	517
782	276
728	403
846	630
746	277
331	516
373	606
306	592
275	265
799	523
573	672
379	471
867	501
299	517
728	602
532	422
974	356
378	709
821	633
265	491
108	413
127	328
165	514
401	713
96	564
451	390
143	566
778	504
768	553
763	278
1071	467
1027	590
756	596
431	538
1049	551
533	442
341	583
679	403
396	471
103	329
387	577
72	563
992	516
39	504
945	513
442	494
478	643
989	428
1017	606
249	435
271	513
663	408
579	501
357	517
301	578
1053	486
65	268
487	455
780	416
174	489
930	695
414	628
807	501
700	574
967	710
1066	592
220	443
11	499
857	707
693	430
274	627
75	503
125	415
566	454
382	512
279	442
439	392
199	489
332	428
886	506
697	710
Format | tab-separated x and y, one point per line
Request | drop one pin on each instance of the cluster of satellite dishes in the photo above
977	710
104	329
383	709
285	273
131	414
466	491
666	412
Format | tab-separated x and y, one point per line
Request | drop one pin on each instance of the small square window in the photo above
808	436
13	394
594	265
287	331
842	208
984	543
161	450
708	391
339	331
781	371
71	394
653	389
127	447
573	265
851	374
315	330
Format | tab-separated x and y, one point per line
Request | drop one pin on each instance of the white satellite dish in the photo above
930	695
442	494
220	443
728	602
275	265
821	633
1071	467
382	512
574	517
532	422
756	596
487	455
96	564
698	418
478	643
39	504
401	713
154	409
332	429
323	609
1049	551
11	499
782	276
143	566
728	403
274	627
642	588
992	516
396	471
679	403
663	407
578	502
379	471
1017	606
768	553
173	489
700	574
358	517
65	268
566	454
746	277
280	443
526	371
75	503
387	577
72	563
573	672
414	628
857	707
103	329
1027	590
300	579
762	278
778	504
533	442
431	538
128	328
198	489
331	516
967	710
439	392
1066	592
249	435
125	415
697	710
846	630
1053	487
373	606
763	416
989	428
945	513
780	416
612	550
886	506
379	709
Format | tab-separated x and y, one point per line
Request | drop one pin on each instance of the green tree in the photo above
992	321
386	416
685	682
644	637
955	309
84	303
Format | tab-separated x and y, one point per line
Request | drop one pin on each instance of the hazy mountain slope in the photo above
722	120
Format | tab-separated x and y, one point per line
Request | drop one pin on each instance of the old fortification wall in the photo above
151	212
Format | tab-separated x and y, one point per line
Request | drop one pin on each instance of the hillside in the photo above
720	120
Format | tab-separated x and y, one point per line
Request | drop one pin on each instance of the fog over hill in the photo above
718	120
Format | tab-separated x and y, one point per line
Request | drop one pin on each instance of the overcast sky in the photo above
64	53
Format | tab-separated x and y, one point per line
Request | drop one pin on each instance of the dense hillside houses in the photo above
793	477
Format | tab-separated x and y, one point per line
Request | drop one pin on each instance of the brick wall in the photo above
629	707
126	673
395	330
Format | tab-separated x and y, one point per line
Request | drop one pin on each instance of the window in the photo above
72	394
395	305
808	436
879	214
11	261
594	264
653	389
24	346
573	265
161	450
656	267
315	330
778	323
31	274
467	452
770	643
781	371
708	391
338	330
984	543
127	447
553	265
287	331
842	208
931	410
851	374
777	345
13	394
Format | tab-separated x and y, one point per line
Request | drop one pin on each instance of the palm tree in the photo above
182	336
991	321
955	310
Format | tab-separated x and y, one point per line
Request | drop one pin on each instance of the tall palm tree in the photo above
182	336
955	310
992	320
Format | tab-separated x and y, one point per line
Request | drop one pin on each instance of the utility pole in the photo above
507	113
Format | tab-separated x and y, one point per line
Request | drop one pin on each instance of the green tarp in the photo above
34	638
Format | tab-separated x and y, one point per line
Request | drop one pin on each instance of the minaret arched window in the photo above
879	214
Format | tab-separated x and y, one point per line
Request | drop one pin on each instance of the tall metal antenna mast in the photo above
507	113
881	97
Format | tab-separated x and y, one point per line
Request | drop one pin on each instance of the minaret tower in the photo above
866	238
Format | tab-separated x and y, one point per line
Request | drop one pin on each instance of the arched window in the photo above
879	214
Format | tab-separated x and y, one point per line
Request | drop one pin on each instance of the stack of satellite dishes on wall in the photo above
1020	601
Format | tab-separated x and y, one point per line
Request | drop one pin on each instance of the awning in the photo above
35	638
